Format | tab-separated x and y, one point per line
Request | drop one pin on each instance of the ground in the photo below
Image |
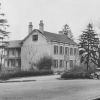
50	88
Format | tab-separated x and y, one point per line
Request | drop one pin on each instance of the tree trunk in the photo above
87	66
99	57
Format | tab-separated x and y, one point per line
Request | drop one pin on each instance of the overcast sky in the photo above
54	13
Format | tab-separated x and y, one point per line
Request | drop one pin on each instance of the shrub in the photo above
92	67
6	76
83	68
76	75
76	72
44	63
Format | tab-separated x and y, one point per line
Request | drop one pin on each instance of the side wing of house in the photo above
33	49
65	56
12	58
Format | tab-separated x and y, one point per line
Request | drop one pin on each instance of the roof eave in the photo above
64	42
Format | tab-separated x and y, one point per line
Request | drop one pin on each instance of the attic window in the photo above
35	37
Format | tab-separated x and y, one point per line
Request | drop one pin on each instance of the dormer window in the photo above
35	37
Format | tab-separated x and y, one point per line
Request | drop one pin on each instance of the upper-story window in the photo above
71	51
19	54
75	51
66	50
35	37
7	52
8	63
13	52
55	49
61	50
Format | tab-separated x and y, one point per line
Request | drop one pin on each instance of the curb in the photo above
16	81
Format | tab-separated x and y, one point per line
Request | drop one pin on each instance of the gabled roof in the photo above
53	37
29	34
61	38
14	44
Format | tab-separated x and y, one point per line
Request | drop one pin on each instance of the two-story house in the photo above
40	43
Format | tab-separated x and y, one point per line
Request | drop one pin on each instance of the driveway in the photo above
36	78
50	88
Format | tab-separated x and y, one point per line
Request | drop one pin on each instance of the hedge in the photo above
6	76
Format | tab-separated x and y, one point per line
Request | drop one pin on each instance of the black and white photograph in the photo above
49	49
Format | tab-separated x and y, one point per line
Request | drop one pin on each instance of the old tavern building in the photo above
23	54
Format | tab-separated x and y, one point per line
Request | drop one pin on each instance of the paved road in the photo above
53	89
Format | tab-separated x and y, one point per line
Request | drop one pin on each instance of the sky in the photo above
54	13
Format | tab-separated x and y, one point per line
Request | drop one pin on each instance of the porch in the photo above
12	64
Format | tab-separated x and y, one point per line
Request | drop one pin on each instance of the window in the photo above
13	52
66	64
75	51
71	64
66	50
75	62
13	63
8	62
7	52
61	50
19	63
35	37
61	63
55	63
19	53
71	51
55	49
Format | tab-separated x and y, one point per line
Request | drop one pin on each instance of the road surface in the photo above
50	88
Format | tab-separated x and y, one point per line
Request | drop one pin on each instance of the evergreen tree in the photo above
3	32
89	46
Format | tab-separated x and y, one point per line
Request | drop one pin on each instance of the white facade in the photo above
33	51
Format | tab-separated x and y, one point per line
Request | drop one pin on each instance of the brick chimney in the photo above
41	26
30	27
